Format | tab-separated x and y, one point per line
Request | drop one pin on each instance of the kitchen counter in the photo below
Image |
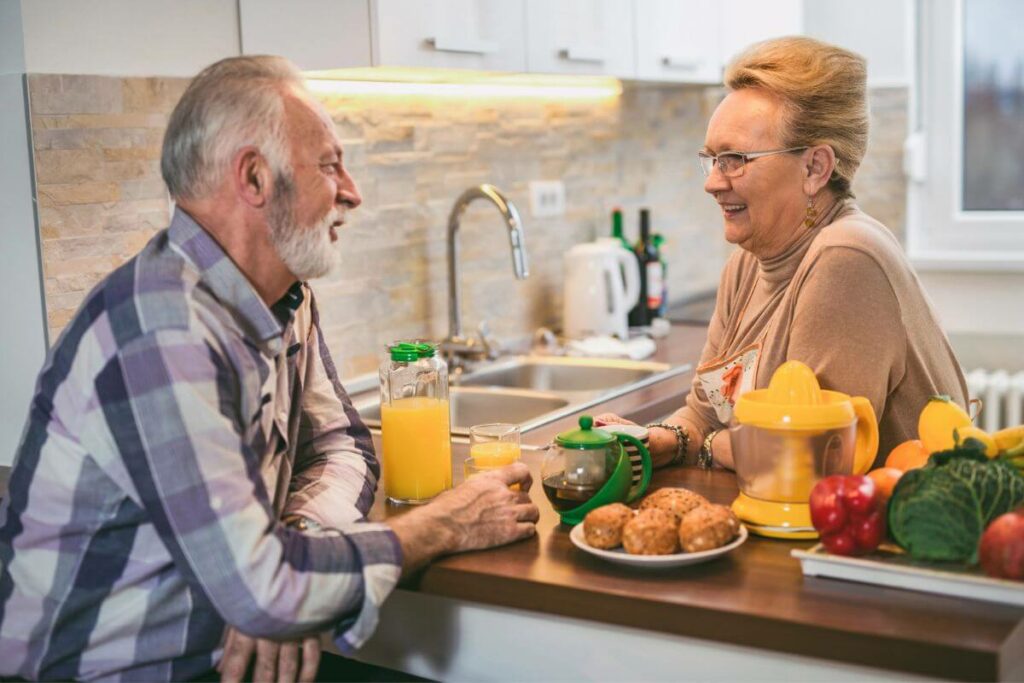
542	609
509	613
695	310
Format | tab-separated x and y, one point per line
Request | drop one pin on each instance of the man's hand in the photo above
274	661
479	513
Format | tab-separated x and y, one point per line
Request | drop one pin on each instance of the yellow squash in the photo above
938	420
991	449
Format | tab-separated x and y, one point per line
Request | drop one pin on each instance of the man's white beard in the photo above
307	251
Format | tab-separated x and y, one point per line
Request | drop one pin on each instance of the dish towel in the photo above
637	348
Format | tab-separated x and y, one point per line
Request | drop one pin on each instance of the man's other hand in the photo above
275	661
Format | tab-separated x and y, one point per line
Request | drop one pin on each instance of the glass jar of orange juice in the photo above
414	422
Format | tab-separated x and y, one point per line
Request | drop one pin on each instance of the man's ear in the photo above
820	162
251	176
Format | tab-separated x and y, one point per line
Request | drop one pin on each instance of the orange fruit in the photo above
909	455
885	480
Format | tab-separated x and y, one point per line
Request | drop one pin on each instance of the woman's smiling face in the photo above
764	207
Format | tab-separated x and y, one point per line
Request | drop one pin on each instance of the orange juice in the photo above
494	453
417	453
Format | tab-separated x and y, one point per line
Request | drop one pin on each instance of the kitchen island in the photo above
542	609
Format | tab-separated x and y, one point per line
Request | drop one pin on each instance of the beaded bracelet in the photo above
682	440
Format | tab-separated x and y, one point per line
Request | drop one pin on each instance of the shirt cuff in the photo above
381	556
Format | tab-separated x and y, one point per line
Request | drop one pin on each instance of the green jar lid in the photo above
409	351
586	437
403	352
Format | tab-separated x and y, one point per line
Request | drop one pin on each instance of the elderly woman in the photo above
815	278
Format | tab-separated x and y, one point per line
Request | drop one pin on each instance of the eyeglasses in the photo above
731	164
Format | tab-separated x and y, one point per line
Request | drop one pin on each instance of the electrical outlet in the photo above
547	198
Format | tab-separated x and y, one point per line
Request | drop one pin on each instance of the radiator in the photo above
1002	397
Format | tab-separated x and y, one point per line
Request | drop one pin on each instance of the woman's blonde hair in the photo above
824	89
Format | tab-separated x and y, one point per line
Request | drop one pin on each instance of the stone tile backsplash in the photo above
100	197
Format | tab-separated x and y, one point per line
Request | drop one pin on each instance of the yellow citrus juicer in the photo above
789	436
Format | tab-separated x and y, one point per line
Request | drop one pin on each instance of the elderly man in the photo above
191	460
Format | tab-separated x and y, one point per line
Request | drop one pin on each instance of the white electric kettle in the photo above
602	283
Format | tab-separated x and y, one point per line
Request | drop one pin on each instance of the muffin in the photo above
602	527
707	527
676	501
651	532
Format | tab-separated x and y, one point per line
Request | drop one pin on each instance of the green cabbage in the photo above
938	512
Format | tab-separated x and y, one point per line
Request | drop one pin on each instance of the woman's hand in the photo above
661	442
611	419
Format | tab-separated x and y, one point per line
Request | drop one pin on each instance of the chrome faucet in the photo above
456	348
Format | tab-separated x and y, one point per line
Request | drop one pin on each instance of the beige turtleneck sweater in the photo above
844	300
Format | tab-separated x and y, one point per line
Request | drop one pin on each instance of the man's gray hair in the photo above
231	104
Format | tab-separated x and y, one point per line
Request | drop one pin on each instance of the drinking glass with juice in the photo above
492	446
415	424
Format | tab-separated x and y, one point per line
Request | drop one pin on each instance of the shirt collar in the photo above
229	284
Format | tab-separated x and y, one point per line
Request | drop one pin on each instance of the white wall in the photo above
880	30
22	335
977	302
128	37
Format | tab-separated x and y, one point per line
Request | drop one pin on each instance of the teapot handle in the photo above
867	435
645	459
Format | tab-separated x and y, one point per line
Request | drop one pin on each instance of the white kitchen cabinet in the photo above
336	34
745	22
678	40
315	34
649	40
486	35
580	37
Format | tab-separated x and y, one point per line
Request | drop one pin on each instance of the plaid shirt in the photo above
176	420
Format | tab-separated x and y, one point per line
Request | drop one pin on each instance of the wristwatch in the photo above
306	525
705	458
682	440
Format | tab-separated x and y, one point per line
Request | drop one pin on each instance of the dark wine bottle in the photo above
646	308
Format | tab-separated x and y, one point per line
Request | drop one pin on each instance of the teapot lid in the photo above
586	437
795	401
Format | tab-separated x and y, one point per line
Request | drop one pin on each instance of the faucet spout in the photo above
517	242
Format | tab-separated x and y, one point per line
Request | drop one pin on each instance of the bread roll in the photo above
707	527
602	527
674	500
651	532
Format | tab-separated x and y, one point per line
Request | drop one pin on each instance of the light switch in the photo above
547	198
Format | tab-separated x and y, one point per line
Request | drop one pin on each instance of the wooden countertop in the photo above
755	596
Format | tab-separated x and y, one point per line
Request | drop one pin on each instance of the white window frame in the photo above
940	234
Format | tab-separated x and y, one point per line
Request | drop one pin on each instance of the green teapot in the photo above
586	468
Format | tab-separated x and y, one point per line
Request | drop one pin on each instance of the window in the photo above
966	156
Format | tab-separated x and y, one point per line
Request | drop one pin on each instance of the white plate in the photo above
620	556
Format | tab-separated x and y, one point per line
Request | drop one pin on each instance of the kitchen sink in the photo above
478	405
543	373
532	390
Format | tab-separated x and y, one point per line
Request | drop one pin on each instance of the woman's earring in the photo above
812	213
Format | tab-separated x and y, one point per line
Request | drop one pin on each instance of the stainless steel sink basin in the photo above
534	390
473	405
563	374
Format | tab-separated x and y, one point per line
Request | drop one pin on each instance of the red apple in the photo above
1001	550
